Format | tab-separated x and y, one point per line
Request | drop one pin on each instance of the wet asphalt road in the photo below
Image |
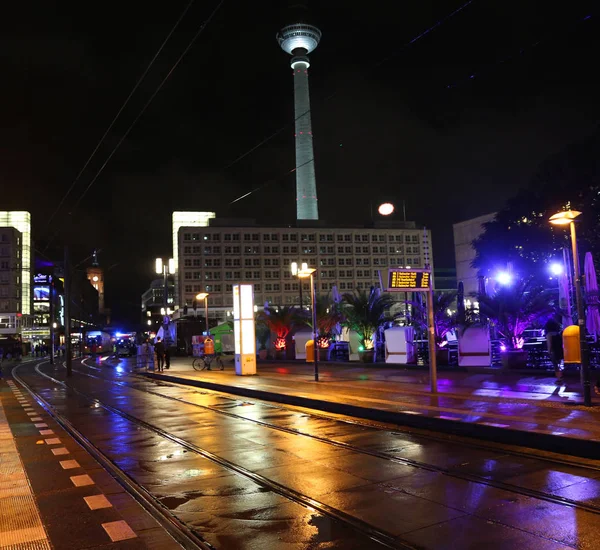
404	503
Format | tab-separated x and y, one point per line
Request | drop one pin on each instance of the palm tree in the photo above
513	309
329	316
443	321
365	312
280	321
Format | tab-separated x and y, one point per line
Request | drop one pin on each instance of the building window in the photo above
187	237
235	237
196	249
267	237
188	288
227	237
228	287
252	249
187	262
187	249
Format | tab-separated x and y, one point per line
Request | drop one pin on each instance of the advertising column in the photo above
244	330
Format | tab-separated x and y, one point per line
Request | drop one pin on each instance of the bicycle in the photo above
204	361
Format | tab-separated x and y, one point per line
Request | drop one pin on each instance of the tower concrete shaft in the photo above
307	207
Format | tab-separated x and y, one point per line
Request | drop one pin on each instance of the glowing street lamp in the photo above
204	296
568	218
556	268
504	278
294	270
386	209
308	273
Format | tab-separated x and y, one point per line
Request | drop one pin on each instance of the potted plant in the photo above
364	312
329	317
262	335
512	310
280	322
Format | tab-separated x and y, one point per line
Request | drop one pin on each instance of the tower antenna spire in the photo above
298	40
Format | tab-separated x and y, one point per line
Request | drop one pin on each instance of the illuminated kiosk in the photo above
399	345
244	330
299	40
418	280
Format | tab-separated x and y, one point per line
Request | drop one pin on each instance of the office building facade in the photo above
213	258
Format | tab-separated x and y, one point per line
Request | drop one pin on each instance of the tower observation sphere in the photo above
298	41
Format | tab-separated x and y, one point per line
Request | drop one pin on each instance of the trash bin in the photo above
571	344
310	351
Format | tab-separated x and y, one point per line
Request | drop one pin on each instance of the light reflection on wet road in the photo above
426	509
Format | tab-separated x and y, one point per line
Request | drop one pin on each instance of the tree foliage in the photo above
365	312
280	321
513	309
520	234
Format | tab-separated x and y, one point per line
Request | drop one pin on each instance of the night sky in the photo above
454	123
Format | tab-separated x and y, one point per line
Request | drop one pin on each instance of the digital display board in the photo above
41	293
409	280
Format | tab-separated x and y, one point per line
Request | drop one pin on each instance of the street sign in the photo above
418	280
409	280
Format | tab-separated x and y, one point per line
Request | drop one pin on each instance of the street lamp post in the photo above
166	269
204	296
568	218
295	271
308	273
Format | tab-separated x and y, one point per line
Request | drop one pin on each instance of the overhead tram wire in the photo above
335	93
114	120
521	52
146	105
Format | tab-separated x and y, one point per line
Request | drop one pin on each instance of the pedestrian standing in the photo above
167	358
159	349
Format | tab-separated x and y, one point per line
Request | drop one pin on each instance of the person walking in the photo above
167	358
159	349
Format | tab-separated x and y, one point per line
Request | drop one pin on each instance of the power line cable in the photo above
521	52
146	105
335	93
114	120
332	95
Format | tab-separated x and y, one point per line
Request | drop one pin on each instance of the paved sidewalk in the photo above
53	494
526	410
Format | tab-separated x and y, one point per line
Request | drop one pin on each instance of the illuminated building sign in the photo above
42	279
409	280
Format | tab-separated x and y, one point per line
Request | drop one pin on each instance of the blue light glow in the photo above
504	278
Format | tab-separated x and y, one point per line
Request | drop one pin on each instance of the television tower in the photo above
299	40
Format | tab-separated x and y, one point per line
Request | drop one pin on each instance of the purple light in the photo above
502	347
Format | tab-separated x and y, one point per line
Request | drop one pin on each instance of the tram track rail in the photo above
463	441
464	476
178	530
381	537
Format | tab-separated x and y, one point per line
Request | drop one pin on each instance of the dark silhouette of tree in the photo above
520	233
